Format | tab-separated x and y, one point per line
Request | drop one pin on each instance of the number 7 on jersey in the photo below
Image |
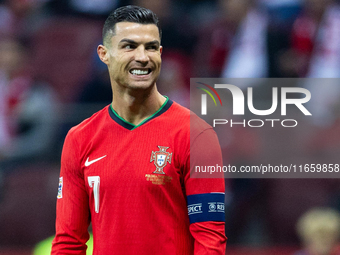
94	182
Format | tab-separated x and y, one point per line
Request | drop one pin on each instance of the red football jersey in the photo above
133	183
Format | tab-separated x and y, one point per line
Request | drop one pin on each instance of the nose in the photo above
141	55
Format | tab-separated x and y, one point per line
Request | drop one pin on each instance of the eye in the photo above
152	47
129	46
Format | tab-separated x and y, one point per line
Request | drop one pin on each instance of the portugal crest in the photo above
160	159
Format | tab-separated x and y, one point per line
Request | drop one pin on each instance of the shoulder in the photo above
90	124
185	119
176	110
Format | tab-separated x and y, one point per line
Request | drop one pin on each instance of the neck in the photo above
136	106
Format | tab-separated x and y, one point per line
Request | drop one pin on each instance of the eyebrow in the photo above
125	40
154	42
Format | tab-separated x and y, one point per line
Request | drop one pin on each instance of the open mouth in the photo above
136	71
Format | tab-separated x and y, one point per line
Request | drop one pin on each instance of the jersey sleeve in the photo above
73	215
205	196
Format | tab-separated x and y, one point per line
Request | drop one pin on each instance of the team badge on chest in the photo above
160	158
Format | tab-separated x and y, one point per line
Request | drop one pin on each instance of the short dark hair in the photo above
130	13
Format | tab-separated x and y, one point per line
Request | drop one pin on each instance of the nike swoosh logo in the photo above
87	163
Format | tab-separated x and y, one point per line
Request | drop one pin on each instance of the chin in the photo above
141	85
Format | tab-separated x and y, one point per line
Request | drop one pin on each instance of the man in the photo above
127	168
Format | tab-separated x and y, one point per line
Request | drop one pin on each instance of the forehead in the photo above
136	31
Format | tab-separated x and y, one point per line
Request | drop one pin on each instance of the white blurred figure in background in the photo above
316	42
248	57
319	230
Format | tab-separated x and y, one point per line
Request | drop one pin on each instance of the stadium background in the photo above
51	79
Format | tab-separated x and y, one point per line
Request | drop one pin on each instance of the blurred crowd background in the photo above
51	79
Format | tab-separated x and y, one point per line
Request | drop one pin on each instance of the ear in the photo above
103	53
161	49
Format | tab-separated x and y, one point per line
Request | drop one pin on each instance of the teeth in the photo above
139	72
